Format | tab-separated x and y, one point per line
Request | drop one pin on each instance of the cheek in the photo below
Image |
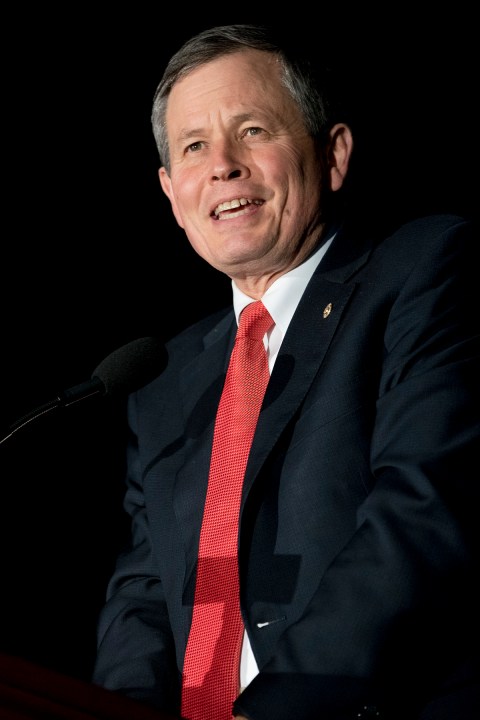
302	194
183	197
185	190
291	171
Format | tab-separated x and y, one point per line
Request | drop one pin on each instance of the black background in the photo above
91	257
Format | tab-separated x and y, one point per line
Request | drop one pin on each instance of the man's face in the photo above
245	179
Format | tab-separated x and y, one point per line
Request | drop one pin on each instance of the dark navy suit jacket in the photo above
358	541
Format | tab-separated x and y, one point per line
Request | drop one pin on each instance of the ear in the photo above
166	184
339	151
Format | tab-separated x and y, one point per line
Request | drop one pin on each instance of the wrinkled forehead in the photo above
242	82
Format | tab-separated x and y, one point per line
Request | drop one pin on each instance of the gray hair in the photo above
307	87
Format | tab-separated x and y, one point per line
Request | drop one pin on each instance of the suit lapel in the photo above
201	387
300	358
305	345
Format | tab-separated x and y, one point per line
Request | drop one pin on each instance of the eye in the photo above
194	147
253	132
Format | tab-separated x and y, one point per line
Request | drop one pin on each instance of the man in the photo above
356	531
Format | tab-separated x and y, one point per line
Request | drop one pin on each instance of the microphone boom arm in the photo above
79	392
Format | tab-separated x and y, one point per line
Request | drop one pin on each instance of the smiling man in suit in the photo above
354	535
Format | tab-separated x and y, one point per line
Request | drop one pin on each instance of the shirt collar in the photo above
282	297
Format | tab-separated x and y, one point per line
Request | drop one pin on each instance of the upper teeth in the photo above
229	205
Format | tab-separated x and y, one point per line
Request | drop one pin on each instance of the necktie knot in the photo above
255	321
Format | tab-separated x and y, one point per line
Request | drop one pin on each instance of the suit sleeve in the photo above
136	652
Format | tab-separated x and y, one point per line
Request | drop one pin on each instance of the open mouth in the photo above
234	208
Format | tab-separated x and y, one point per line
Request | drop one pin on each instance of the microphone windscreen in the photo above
131	366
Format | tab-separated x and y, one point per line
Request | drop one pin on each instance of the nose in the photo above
227	163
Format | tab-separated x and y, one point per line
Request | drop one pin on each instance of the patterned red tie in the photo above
212	660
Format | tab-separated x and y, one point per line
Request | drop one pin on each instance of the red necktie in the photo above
212	660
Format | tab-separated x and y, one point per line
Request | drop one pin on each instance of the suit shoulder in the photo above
432	226
427	237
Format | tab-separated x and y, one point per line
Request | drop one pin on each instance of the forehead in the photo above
244	78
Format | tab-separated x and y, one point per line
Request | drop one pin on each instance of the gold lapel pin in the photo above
327	310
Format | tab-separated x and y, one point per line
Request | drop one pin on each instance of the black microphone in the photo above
126	369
